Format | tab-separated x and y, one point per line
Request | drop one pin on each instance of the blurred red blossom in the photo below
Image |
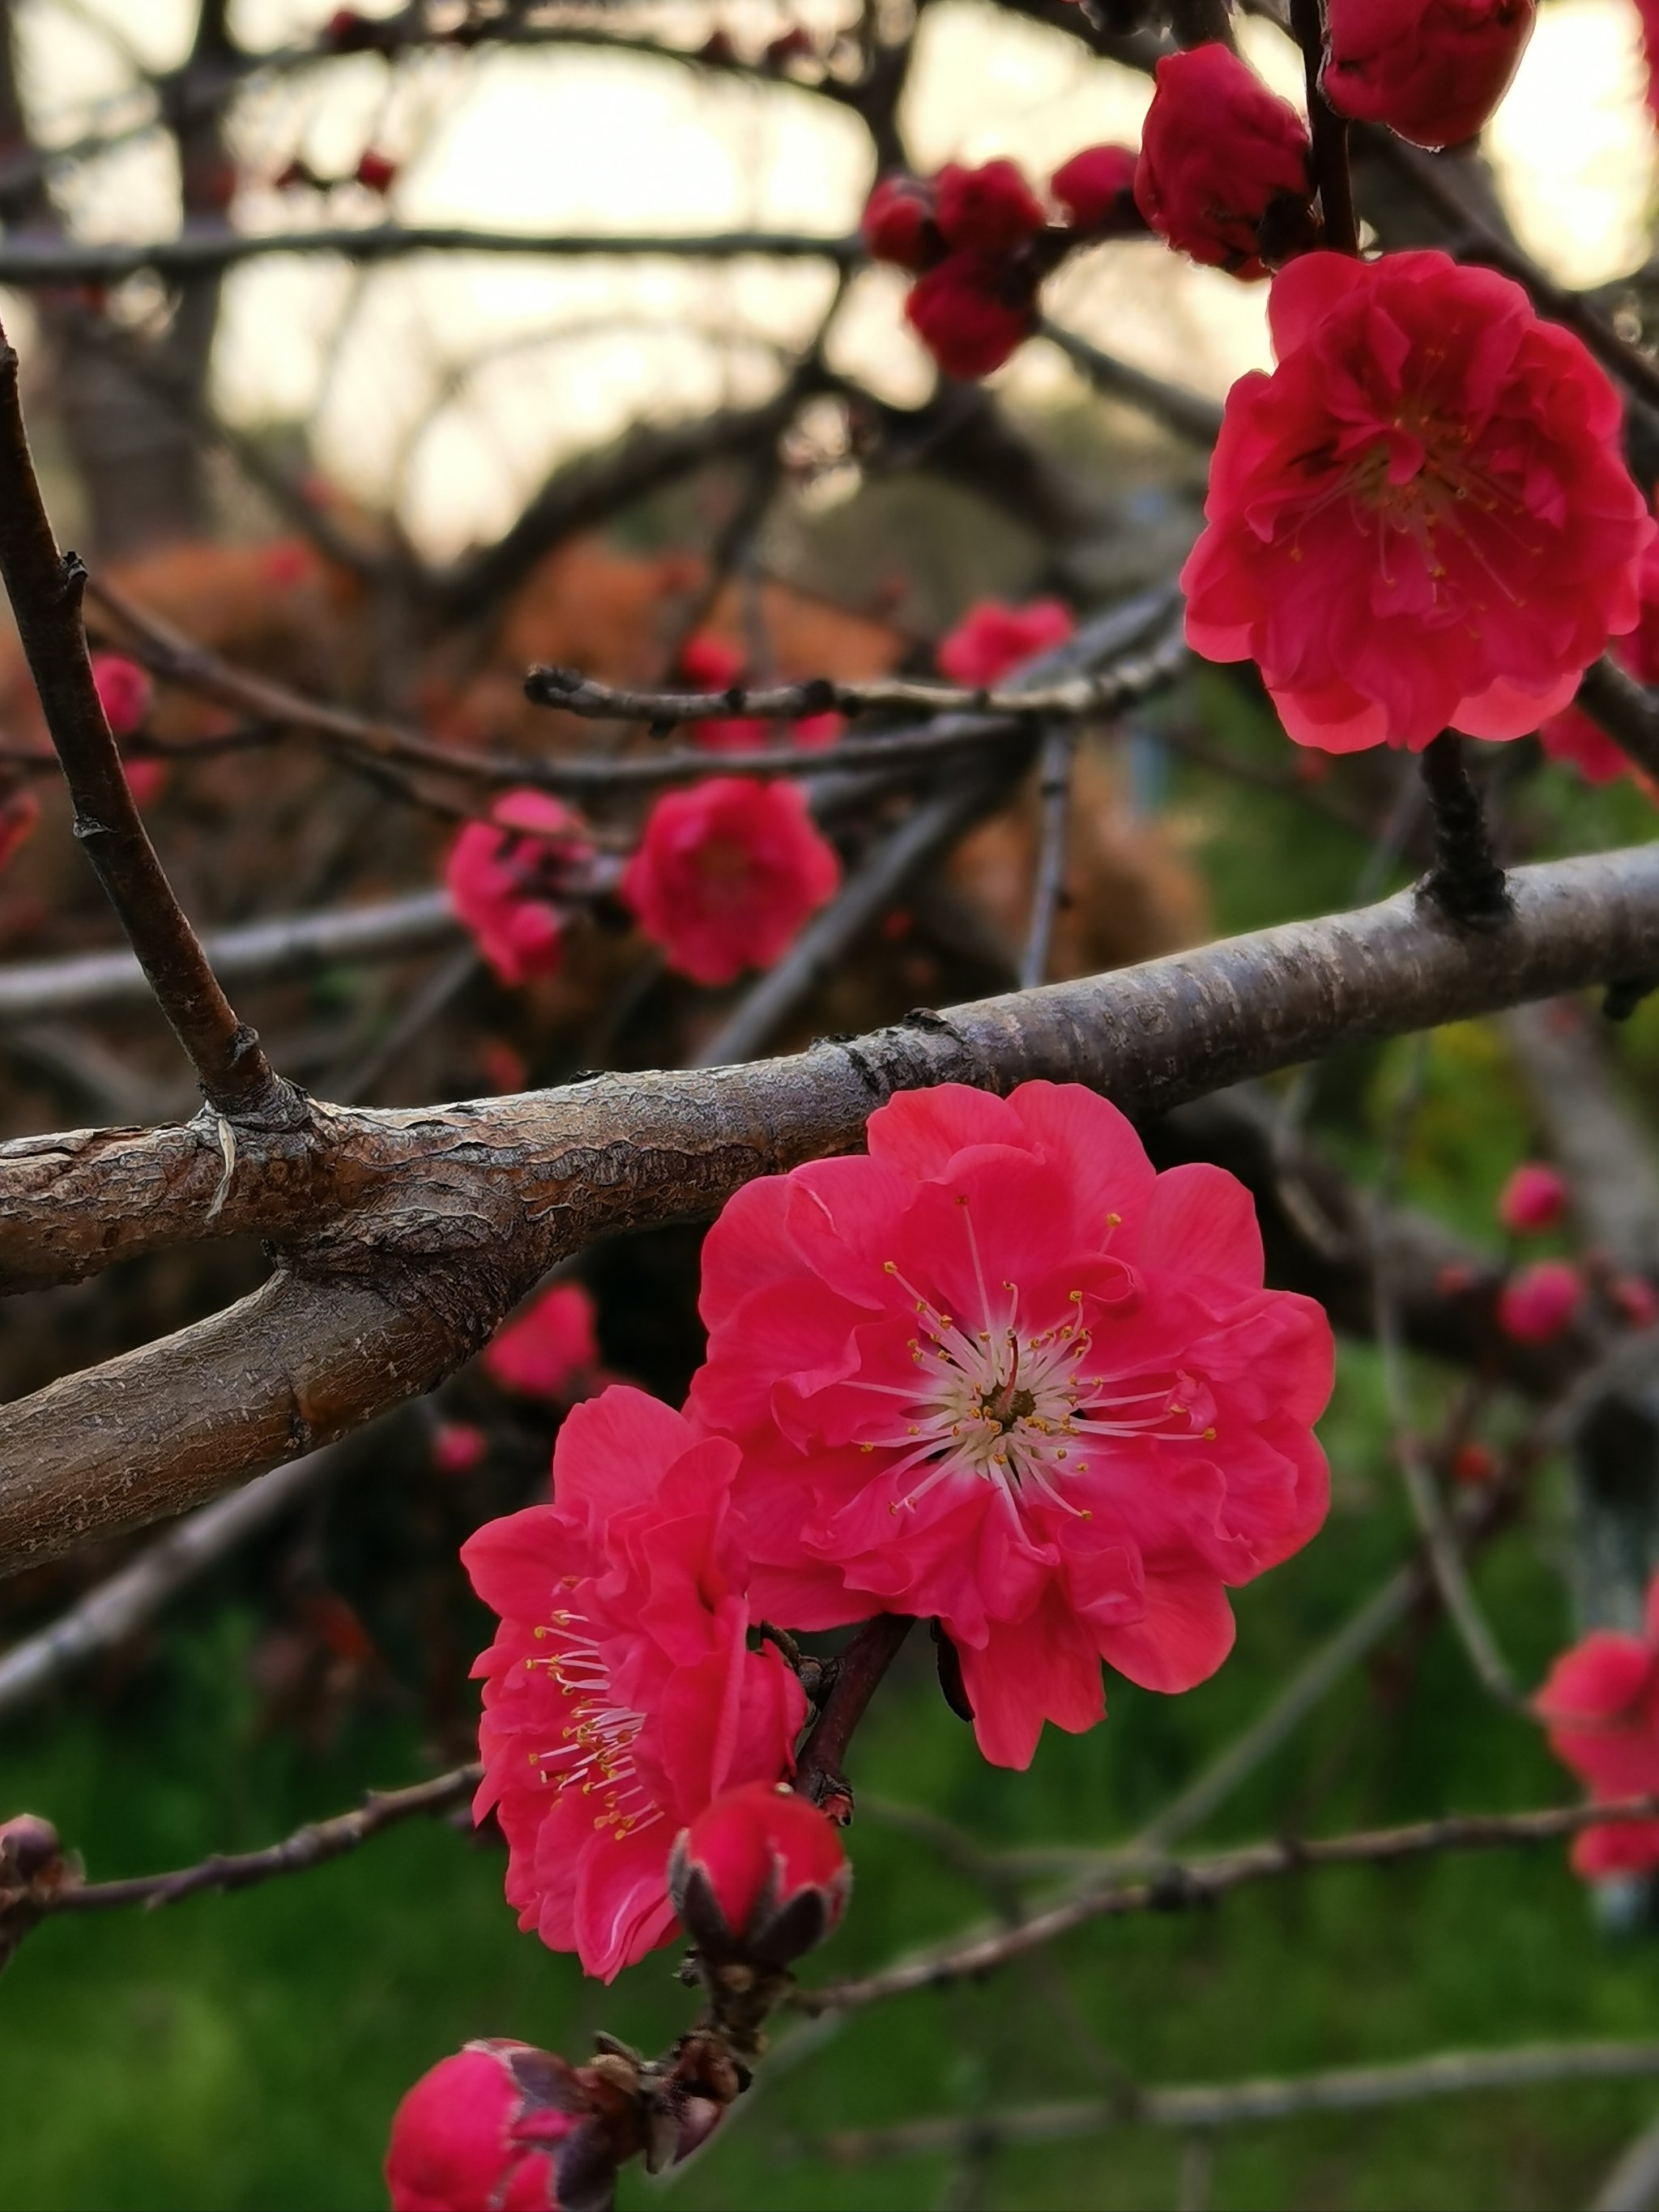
1000	1372
759	1875
507	879
1536	1305
1431	71
1096	188
990	210
456	1446
1601	1705
708	663
1223	174
1474	1464
1636	1300
972	313
727	872
20	816
1422	517
551	1350
1572	736
899	223
992	639
620	1697
376	173
125	692
498	2124
1535	1197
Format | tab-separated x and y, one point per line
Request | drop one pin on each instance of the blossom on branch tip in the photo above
1600	1704
727	872
551	1350
1431	71
1223	171
509	879
759	1877
620	1697
1535	1197
499	2125
999	1372
1536	1306
899	223
990	210
992	639
1421	518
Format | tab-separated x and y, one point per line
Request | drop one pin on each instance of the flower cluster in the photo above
511	880
980	241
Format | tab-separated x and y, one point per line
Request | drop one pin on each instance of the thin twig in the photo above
1330	133
113	1611
1224	2105
1178	1887
313	1846
44	589
1054	765
858	1671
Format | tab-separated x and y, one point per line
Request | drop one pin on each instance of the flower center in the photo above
1020	1408
592	1753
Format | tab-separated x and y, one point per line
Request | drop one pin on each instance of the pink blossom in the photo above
620	1697
1572	736
708	663
727	872
1536	1305
1000	1371
456	1446
1096	188
511	889
759	1875
549	1350
1535	1197
992	640
1421	518
489	2127
814	732
1601	1707
125	692
972	313
1431	71
1223	174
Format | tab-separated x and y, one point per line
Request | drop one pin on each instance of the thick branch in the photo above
409	1233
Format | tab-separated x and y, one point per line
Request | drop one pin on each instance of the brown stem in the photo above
1466	880
818	1776
1329	131
44	589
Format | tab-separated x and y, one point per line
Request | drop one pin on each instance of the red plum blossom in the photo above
1421	518
760	1875
1536	1305
620	1697
1431	71
727	872
992	640
492	2126
1535	1197
549	1351
1601	1707
1001	1372
1223	174
509	879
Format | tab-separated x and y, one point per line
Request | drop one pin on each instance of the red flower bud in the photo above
1096	188
991	210
125	692
456	1446
1433	70
971	313
375	171
502	2124
1636	1299
898	224
1540	1302
1535	1197
760	1875
1223	165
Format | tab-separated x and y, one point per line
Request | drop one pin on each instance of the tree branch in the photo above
405	1235
44	590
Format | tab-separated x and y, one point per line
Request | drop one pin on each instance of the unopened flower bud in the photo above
971	313
500	2123
376	173
1431	71
456	1446
1535	1197
29	1848
898	224
991	210
1096	188
1538	1303
125	692
1224	171
758	1876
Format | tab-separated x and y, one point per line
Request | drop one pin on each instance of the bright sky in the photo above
451	385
